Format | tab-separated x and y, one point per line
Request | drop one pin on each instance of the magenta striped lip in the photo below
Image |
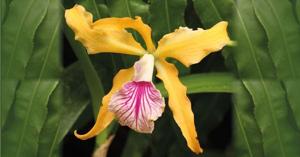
137	104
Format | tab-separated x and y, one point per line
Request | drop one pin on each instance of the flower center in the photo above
144	68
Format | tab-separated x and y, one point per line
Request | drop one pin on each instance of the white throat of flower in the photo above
144	68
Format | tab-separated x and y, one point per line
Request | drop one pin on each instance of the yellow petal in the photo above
105	117
179	103
126	22
112	37
191	46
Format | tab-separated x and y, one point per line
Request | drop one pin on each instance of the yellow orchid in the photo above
133	99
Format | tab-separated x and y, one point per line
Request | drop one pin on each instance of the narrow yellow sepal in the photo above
179	103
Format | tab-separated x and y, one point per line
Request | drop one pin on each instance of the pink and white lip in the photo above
138	103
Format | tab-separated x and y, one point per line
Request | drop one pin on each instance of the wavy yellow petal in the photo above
179	103
111	37
105	117
126	22
191	46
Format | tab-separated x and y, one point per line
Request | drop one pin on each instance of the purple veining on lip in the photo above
137	105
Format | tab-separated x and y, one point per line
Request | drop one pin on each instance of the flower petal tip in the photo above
200	151
196	148
79	136
232	43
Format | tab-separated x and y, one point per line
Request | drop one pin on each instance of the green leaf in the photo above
166	16
66	103
3	11
271	108
283	32
277	126
93	8
247	136
128	8
45	63
29	110
268	96
26	118
23	18
298	10
254	61
292	88
213	11
205	83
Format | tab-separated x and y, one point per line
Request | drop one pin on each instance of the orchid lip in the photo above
137	105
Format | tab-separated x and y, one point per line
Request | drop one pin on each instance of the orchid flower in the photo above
133	100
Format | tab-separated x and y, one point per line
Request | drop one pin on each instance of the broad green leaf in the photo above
271	108
247	136
23	18
3	11
103	10
298	10
45	63
292	88
251	54
166	16
128	8
21	133
205	83
66	103
279	132
92	6
29	110
214	11
283	32
98	9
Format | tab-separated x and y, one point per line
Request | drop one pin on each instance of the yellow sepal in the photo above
104	35
191	46
126	22
105	117
179	103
